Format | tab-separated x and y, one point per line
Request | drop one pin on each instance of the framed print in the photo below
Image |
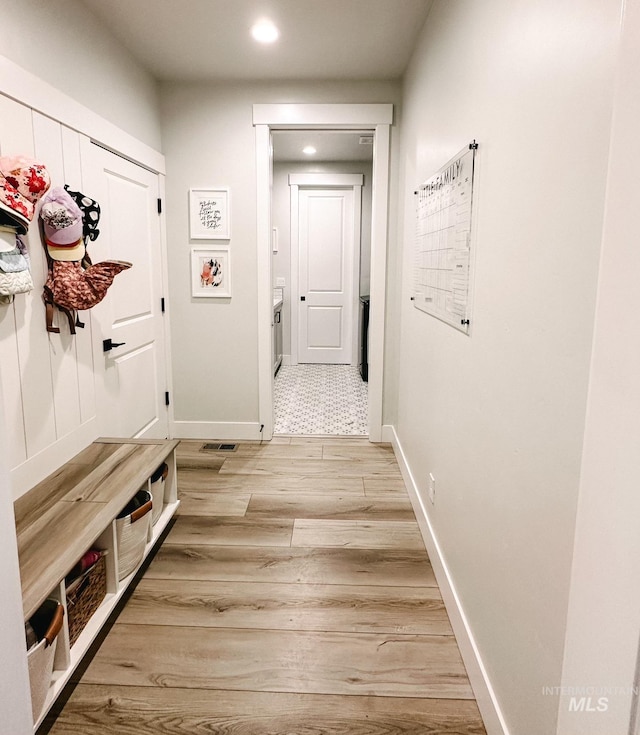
209	214
210	273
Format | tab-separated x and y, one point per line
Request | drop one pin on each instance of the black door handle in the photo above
108	344
303	298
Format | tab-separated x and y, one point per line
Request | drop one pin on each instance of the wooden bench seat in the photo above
62	516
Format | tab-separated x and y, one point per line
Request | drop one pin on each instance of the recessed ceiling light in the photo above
309	150
265	31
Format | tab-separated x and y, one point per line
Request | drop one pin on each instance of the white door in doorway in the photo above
131	389
326	265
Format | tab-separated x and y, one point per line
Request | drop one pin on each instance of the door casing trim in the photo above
378	118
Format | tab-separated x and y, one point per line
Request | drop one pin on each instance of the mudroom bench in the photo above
73	511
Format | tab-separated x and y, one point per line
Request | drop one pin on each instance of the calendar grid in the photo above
443	242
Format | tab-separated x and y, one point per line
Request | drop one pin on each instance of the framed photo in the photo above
209	214
210	273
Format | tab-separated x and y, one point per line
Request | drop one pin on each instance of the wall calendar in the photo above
443	241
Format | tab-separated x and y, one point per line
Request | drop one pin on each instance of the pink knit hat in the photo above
62	220
22	182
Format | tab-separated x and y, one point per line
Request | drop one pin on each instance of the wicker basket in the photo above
157	491
133	527
84	597
46	623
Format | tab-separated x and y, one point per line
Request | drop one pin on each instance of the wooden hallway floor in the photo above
293	596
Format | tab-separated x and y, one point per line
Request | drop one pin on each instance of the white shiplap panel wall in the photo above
47	379
33	352
71	146
62	347
16	133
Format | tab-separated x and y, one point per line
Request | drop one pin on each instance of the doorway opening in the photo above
321	264
374	119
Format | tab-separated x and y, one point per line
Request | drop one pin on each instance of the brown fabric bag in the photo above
71	287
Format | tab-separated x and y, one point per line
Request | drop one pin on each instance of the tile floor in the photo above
320	399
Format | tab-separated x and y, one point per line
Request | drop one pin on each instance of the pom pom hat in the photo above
62	222
22	182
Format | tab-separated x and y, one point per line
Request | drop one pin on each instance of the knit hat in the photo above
22	182
62	219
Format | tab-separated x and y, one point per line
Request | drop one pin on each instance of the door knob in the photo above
108	344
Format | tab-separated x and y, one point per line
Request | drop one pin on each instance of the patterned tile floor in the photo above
320	399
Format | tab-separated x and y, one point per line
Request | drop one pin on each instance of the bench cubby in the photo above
73	510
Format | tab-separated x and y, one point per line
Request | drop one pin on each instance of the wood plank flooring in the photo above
293	596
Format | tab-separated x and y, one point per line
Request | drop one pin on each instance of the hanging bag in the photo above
15	273
73	284
14	283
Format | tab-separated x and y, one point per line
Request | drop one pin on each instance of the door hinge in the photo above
159	205
162	304
166	398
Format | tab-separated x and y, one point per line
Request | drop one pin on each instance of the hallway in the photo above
292	595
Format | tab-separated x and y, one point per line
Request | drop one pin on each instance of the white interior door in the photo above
326	242
133	382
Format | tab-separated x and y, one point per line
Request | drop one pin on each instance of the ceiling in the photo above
184	40
329	145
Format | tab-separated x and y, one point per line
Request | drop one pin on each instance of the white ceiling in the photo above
329	145
319	39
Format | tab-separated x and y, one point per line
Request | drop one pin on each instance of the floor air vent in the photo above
219	447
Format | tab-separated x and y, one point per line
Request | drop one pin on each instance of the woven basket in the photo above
40	658
133	527
157	491
85	596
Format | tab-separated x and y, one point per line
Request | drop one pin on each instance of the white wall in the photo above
15	699
47	379
604	610
281	218
209	139
50	380
65	45
498	416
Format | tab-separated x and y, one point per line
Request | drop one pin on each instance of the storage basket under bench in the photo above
82	533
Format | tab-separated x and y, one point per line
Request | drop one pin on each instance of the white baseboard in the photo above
388	435
484	693
226	431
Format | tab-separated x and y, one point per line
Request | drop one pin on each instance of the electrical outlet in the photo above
432	488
